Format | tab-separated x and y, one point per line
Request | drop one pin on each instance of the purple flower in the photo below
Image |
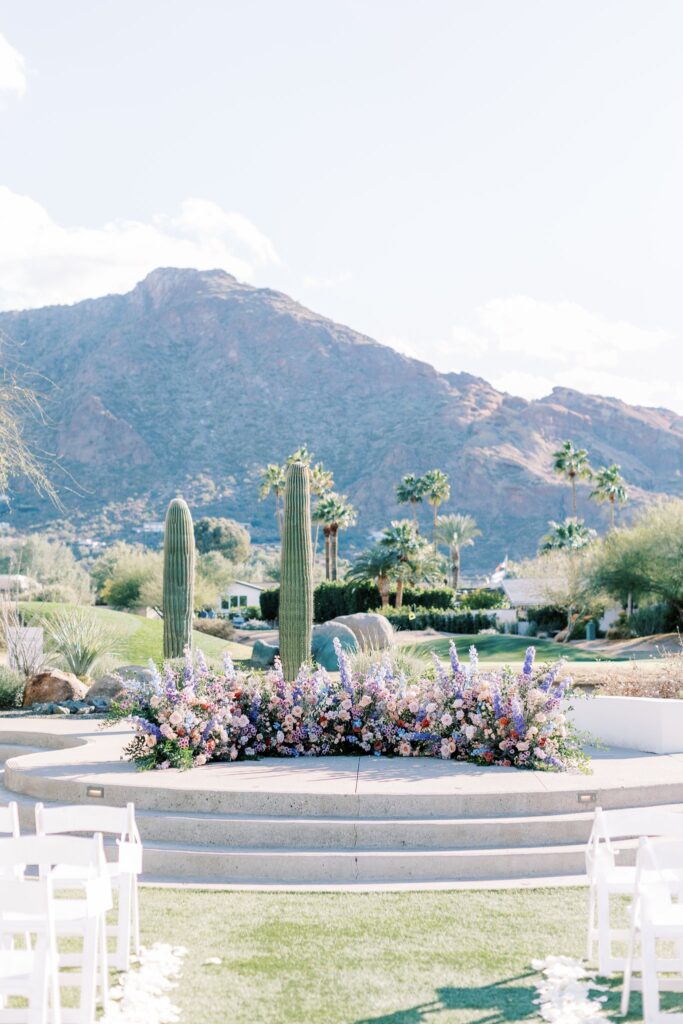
453	654
528	666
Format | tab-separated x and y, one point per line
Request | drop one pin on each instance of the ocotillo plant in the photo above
296	572
178	598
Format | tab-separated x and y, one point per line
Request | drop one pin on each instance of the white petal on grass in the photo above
142	995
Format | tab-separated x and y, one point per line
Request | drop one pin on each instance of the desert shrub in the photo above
652	677
653	618
445	622
479	600
49	561
547	619
77	640
270	603
57	593
222	628
128	575
251	612
11	687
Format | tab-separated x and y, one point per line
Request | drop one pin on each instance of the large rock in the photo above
263	654
115	684
53	687
322	645
373	632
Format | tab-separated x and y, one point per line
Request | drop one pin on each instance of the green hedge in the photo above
333	599
446	622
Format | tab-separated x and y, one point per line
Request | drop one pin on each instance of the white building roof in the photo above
529	593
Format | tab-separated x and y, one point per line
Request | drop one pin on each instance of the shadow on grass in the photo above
505	1002
499	1003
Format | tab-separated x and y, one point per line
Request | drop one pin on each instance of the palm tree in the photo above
572	463
610	486
456	531
411	491
273	480
436	490
403	540
336	513
322	481
377	565
571	535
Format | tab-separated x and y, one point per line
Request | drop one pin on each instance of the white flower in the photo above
446	720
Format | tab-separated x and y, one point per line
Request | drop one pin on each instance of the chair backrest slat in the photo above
45	852
85	818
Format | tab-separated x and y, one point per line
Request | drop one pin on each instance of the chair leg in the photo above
136	915
650	980
628	969
91	955
104	963
591	923
123	924
55	991
604	936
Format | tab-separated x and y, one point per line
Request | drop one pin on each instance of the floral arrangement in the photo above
190	714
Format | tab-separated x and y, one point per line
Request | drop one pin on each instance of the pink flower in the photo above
446	720
365	700
167	732
200	759
176	718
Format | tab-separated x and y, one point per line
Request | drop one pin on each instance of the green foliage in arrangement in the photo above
178	591
296	588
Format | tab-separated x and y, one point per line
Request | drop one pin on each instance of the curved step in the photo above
233	866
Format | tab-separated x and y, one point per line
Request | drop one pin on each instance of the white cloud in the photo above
43	262
12	70
527	347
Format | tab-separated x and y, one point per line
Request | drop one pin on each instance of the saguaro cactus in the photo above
296	574
178	599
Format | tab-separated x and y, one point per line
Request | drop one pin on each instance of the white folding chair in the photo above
31	972
655	916
607	878
82	917
123	872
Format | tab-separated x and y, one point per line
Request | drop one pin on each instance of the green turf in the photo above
376	958
499	648
139	639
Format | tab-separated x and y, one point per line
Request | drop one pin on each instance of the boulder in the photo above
52	686
373	632
322	646
263	654
114	684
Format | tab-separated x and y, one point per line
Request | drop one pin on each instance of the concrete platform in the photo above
347	822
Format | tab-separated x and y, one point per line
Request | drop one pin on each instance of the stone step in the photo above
320	833
187	862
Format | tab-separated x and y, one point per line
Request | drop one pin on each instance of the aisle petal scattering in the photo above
564	994
141	997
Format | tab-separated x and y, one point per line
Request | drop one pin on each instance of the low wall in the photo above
633	723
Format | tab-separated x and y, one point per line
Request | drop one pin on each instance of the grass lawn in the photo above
140	639
499	648
375	958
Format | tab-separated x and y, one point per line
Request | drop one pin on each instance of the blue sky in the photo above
493	185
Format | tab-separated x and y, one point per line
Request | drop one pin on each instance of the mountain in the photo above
192	381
